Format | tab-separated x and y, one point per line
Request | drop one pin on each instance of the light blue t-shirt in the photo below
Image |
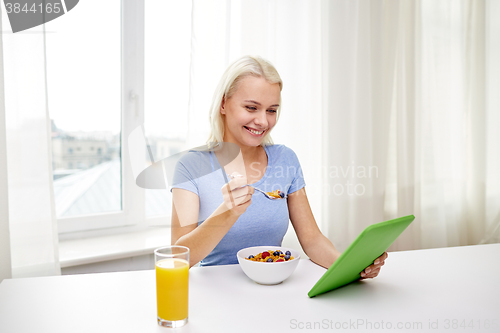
265	222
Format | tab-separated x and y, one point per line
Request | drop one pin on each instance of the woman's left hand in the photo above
373	270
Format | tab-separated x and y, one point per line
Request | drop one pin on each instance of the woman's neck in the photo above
245	161
250	153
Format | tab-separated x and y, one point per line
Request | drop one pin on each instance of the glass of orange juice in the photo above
172	280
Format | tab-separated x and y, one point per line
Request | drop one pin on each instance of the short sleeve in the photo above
185	174
298	181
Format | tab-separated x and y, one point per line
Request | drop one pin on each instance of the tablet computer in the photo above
368	246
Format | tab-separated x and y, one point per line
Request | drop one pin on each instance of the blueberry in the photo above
287	257
288	253
250	256
270	260
282	194
276	253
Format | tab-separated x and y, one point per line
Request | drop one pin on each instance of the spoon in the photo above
281	194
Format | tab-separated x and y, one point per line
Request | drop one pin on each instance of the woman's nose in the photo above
261	119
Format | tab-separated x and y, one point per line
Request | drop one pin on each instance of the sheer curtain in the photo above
412	94
492	107
361	59
443	128
30	215
389	105
5	266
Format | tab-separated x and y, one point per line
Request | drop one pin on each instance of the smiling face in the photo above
250	113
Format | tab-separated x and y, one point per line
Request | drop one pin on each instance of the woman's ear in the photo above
222	105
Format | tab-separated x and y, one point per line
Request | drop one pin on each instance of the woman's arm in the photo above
319	248
202	239
313	242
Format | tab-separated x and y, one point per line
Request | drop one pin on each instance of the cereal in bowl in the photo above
271	256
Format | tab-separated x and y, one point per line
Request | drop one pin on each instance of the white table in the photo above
439	290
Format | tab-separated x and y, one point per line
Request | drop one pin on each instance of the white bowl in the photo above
267	272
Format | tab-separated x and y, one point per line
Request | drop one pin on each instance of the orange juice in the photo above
172	279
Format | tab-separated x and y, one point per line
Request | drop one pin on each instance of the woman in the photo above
216	224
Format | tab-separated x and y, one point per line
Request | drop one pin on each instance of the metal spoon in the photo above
282	195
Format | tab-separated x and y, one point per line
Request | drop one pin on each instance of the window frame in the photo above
132	216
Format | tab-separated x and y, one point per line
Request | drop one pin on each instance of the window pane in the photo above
83	77
167	61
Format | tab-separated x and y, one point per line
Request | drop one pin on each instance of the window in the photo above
100	89
83	79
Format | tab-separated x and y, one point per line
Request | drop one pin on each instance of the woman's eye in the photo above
251	108
272	111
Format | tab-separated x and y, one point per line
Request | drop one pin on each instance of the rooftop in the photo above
98	190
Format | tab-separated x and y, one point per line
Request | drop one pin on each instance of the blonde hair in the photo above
241	68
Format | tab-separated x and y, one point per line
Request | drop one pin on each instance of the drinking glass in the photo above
172	281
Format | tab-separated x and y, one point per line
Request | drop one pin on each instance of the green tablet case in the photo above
367	247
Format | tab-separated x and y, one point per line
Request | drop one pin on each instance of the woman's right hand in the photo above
237	198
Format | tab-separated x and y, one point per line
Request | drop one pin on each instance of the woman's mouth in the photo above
254	132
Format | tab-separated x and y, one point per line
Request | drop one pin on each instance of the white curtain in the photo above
411	98
446	151
413	88
361	59
31	219
492	134
390	106
5	266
